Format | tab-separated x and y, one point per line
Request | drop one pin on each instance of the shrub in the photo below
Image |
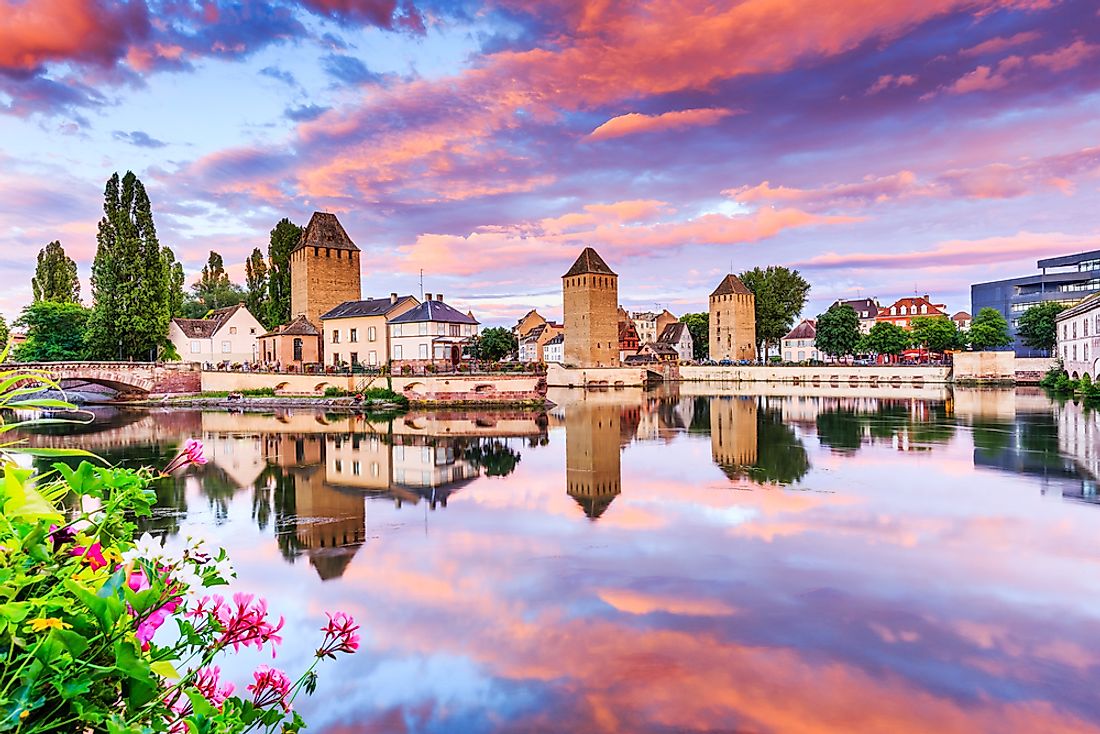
335	392
81	605
259	392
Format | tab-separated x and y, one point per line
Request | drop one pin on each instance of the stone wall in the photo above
1029	370
984	367
811	375
560	376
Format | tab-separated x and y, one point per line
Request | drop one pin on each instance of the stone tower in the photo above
590	290
733	432
732	321
324	268
592	443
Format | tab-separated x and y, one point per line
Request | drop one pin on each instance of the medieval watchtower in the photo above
590	290
324	268
732	321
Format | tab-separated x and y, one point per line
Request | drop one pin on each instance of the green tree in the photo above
5	333
495	343
176	296
837	331
698	325
214	289
884	338
255	273
935	333
284	238
989	329
55	332
780	295
1037	328
130	277
55	277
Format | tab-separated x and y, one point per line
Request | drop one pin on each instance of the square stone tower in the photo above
732	321
590	290
593	475
324	268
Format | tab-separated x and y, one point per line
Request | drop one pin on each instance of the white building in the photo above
1079	337
798	345
228	334
679	338
866	309
433	331
554	350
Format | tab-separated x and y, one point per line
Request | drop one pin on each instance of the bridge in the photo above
129	379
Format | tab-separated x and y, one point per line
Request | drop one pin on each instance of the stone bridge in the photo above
137	379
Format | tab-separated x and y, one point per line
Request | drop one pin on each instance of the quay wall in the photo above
598	377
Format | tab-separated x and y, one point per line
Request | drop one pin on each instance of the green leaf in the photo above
71	641
200	705
42	403
165	669
15	611
53	453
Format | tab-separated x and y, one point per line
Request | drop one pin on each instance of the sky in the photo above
881	148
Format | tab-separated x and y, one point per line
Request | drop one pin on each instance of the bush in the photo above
385	395
82	604
335	392
259	392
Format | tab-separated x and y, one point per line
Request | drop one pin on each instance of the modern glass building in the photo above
1065	279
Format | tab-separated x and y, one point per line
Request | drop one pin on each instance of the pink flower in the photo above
92	555
190	454
243	623
271	686
339	635
137	581
208	684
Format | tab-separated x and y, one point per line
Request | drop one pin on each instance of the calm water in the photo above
873	560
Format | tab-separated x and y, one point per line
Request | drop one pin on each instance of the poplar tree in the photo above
283	239
176	296
255	273
130	277
55	277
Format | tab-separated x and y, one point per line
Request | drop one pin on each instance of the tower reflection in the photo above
593	475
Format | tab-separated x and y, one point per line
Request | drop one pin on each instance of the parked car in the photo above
725	363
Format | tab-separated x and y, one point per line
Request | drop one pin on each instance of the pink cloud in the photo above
34	33
1001	43
559	239
986	78
633	123
1026	246
1066	57
887	81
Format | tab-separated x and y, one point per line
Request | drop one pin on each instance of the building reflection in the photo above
750	439
593	439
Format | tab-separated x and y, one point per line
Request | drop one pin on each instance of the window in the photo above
232	329
1085	353
370	333
372	357
196	347
297	350
336	358
397	329
355	468
397	351
339	466
1085	327
335	336
252	330
423	328
227	347
1074	329
355	358
456	330
1074	352
423	351
353	335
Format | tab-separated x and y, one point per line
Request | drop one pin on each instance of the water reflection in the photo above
897	559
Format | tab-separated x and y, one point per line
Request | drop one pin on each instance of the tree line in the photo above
137	288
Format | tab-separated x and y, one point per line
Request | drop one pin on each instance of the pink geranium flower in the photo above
271	685
192	453
243	623
92	555
340	635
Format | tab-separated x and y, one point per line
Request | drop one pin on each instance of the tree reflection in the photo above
493	456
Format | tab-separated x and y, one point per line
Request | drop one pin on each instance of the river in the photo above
699	559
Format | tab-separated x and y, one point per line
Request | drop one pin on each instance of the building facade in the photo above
962	320
430	333
798	344
553	351
324	269
1065	279
677	336
902	311
1078	345
228	334
732	321
590	294
531	345
650	324
867	309
291	346
356	333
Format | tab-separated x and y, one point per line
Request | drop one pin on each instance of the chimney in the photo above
926	297
439	296
427	296
393	298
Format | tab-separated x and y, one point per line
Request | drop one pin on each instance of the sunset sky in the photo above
881	147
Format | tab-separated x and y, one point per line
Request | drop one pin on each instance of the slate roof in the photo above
206	327
434	311
672	333
298	327
369	307
731	284
556	339
589	261
660	348
325	230
805	330
862	306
